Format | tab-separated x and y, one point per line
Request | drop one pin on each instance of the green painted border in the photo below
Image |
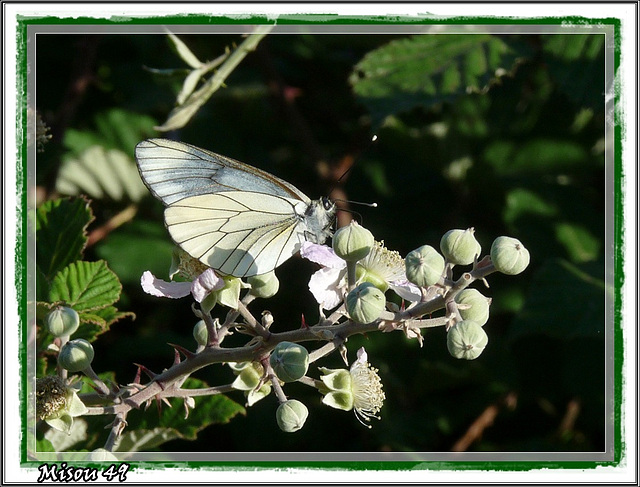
335	19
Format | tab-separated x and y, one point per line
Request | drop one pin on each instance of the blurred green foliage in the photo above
504	133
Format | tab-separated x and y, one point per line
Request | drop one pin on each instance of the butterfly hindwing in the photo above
239	233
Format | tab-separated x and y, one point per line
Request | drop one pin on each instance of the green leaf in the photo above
86	286
579	242
101	173
582	294
520	202
150	429
428	69
576	62
61	233
96	322
538	156
115	129
100	162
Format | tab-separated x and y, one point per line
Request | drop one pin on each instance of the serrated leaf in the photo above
86	286
98	321
61	233
428	69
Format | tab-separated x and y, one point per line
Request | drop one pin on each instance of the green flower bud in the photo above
264	285
62	321
76	355
352	242
479	310
466	340
365	303
424	266
460	246
289	361
509	256
200	333
291	415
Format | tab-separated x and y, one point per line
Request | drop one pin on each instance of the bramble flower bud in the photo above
424	266
200	333
264	285
291	415
479	310
365	303
289	361
352	242
62	321
509	256
460	246
76	355
466	340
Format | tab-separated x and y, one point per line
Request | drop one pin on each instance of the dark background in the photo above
523	159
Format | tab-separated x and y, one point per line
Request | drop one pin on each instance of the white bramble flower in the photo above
358	388
382	267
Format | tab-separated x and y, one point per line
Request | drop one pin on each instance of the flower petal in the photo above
406	290
325	285
321	254
163	289
205	283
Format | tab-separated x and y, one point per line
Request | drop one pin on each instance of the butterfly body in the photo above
233	217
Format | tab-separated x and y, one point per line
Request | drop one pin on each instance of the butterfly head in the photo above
319	218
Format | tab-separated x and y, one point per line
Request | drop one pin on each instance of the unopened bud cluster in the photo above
466	339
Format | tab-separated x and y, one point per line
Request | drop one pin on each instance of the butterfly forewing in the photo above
174	170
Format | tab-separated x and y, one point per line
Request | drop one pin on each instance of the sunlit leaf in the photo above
86	286
100	173
61	233
428	69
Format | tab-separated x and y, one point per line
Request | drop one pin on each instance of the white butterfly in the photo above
232	217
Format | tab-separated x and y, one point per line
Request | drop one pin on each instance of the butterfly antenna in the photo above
347	171
370	205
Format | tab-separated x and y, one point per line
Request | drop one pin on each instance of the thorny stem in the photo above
163	385
116	430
